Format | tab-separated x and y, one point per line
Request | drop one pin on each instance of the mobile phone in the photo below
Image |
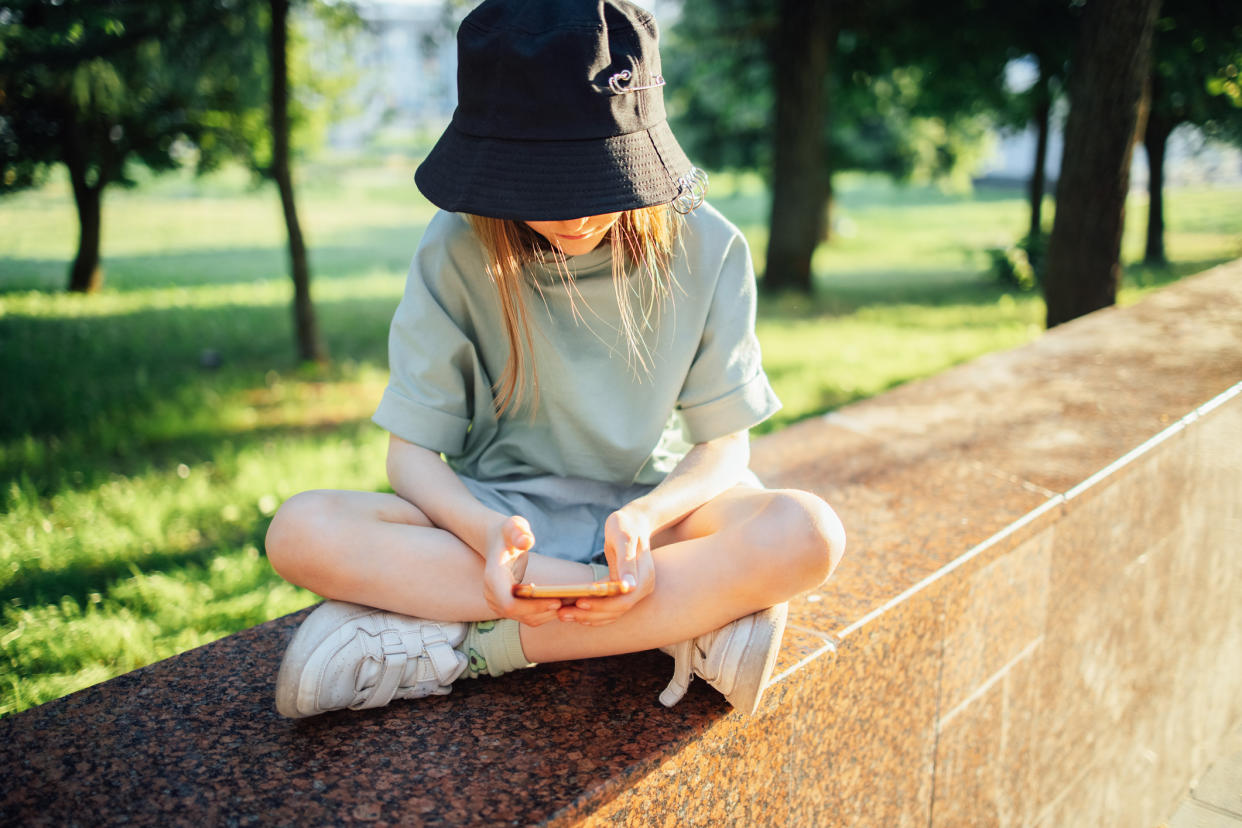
599	589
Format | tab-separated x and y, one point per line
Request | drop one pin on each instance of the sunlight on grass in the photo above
818	363
150	432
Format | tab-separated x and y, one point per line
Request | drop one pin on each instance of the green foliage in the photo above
103	83
321	72
900	100
1012	267
1197	53
1019	266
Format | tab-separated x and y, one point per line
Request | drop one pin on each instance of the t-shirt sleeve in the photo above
432	361
726	389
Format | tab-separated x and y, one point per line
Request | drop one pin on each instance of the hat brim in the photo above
552	180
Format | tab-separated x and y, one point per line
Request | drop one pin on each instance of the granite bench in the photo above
1037	622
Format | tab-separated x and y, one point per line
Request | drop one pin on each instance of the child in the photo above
584	357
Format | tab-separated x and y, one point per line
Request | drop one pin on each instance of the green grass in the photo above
136	484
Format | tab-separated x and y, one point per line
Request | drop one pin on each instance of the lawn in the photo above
148	433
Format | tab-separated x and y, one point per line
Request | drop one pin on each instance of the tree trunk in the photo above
1042	115
1109	69
825	214
799	56
1155	138
308	345
85	274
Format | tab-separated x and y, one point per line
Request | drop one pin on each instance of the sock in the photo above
493	648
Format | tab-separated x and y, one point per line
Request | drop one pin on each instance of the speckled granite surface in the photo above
1001	645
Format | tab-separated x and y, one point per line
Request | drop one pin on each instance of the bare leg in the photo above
746	550
380	550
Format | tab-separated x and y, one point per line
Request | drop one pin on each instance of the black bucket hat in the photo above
560	115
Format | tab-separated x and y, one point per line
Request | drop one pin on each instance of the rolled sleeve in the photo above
726	389
419	424
740	409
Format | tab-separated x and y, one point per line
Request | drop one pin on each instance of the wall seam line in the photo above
956	563
991	680
936	722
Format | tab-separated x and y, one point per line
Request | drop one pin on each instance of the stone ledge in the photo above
934	679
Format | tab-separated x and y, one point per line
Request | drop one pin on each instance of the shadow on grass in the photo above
73	374
886	194
1138	274
78	578
378	248
845	292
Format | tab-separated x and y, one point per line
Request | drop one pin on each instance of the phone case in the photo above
600	589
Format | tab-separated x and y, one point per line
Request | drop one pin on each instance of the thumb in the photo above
627	564
517	534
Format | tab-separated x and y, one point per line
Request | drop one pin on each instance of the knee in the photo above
806	533
295	526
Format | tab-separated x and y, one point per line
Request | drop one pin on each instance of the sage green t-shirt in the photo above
601	414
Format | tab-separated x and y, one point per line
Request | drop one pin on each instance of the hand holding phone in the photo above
598	589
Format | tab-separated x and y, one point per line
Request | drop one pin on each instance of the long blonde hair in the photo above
641	238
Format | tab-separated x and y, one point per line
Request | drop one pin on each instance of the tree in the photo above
1043	32
1196	53
306	330
100	84
97	85
282	103
1109	67
811	89
801	181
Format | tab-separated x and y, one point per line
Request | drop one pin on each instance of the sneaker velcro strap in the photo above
682	654
440	654
392	670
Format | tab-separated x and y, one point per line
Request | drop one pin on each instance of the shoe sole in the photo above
318	626
765	636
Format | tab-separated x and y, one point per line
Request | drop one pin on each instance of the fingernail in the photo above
629	581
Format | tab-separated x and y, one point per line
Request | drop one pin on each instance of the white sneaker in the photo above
350	656
736	659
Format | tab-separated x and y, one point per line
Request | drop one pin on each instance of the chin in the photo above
578	248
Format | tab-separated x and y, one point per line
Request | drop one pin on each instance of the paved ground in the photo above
1215	799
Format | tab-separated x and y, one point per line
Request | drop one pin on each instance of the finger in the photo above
589	619
627	567
586	620
537	620
604	610
518	534
534	606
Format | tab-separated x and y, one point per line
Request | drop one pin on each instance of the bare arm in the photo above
420	476
707	470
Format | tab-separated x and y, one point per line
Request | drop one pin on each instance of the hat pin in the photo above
615	82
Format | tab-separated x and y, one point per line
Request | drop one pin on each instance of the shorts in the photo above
567	514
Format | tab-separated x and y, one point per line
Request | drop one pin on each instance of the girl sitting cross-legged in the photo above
574	371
